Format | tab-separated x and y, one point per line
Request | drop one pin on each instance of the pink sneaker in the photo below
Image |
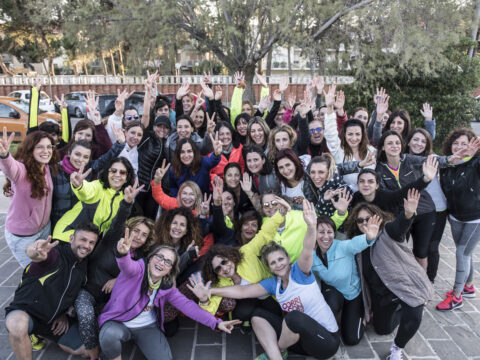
468	292
451	302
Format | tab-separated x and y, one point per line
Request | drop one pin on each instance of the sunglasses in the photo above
219	267
132	117
313	131
120	171
271	203
362	220
161	258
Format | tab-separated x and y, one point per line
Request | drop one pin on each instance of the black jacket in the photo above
151	152
50	287
461	186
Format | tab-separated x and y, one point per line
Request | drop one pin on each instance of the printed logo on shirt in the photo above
294	304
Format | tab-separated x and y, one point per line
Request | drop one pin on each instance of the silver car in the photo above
76	105
45	103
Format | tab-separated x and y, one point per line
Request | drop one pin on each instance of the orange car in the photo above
14	115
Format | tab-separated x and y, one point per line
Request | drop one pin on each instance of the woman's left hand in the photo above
131	192
284	205
373	227
344	198
227	326
217	144
201	290
309	214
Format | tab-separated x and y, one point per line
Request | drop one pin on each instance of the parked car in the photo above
134	100
14	115
46	104
76	105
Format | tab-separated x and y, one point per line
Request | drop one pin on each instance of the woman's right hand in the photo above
430	168
217	186
205	205
284	206
201	290
5	142
161	171
411	202
76	178
124	244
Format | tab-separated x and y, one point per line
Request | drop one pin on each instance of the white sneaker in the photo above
396	353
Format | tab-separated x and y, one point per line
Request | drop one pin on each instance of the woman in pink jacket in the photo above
28	217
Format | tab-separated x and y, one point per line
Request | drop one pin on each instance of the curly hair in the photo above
103	177
246	216
362	147
223	251
351	223
133	222
454	135
177	164
292	135
35	173
428	147
162	229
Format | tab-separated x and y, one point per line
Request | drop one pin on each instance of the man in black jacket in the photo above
49	287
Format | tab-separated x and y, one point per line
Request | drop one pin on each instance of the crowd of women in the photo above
292	217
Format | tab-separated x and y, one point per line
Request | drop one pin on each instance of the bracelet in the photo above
204	303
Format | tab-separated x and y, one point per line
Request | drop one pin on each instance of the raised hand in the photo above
330	95
370	159
309	214
344	198
37	83
131	192
150	82
277	95
291	98
284	206
427	112
340	102
61	102
77	177
5	142
217	186
43	247
469	151
430	168
261	79
382	106
373	227
264	103
379	95
218	92
411	202
160	172
193	246
227	326
196	286
119	134
120	101
246	183
217	144
304	106
319	83
205	205
207	91
283	84
199	100
124	244
210	123
183	90
239	79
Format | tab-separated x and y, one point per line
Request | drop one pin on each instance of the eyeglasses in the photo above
48	147
132	117
271	203
219	267
313	131
362	220
161	258
120	171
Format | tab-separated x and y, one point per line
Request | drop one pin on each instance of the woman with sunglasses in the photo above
399	287
30	172
307	325
145	286
99	200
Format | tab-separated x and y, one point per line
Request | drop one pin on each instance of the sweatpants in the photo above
466	236
149	339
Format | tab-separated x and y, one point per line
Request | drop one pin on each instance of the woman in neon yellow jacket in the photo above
99	199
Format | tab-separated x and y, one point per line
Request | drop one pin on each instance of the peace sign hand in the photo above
43	247
37	83
217	144
76	178
210	123
5	142
369	160
150	81
124	244
119	134
131	192
61	102
161	171
205	205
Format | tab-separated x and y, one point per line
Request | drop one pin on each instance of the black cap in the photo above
163	120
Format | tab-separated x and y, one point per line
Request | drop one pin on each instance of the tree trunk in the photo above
289	60
104	64
249	93
112	63
52	66
85	69
269	63
75	68
45	66
474	33
120	57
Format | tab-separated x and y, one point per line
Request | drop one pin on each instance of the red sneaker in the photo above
468	292
451	302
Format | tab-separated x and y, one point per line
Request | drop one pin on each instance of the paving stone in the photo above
360	351
472	320
430	329
239	346
181	344
446	349
373	336
207	336
464	339
417	346
5	349
382	348
208	352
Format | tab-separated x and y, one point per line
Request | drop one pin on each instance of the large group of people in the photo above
291	218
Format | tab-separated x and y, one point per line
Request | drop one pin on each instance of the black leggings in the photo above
421	231
387	316
314	341
246	307
351	327
433	255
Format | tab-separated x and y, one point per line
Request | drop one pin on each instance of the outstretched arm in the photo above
306	256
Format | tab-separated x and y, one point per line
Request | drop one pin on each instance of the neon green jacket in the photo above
97	205
250	268
237	100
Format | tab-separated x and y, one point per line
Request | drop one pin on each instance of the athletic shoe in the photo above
246	328
396	353
468	292
37	344
264	356
451	302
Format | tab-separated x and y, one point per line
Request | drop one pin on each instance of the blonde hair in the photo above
266	130
272	150
196	190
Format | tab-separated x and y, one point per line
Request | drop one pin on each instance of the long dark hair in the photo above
103	177
235	139
177	165
223	251
351	223
246	216
407	124
290	155
428	147
381	157
362	147
267	166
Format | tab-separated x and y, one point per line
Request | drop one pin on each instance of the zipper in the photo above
111	210
64	292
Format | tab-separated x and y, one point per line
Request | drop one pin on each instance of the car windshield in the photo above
23	106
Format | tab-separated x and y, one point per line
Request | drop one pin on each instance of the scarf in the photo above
151	285
67	165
